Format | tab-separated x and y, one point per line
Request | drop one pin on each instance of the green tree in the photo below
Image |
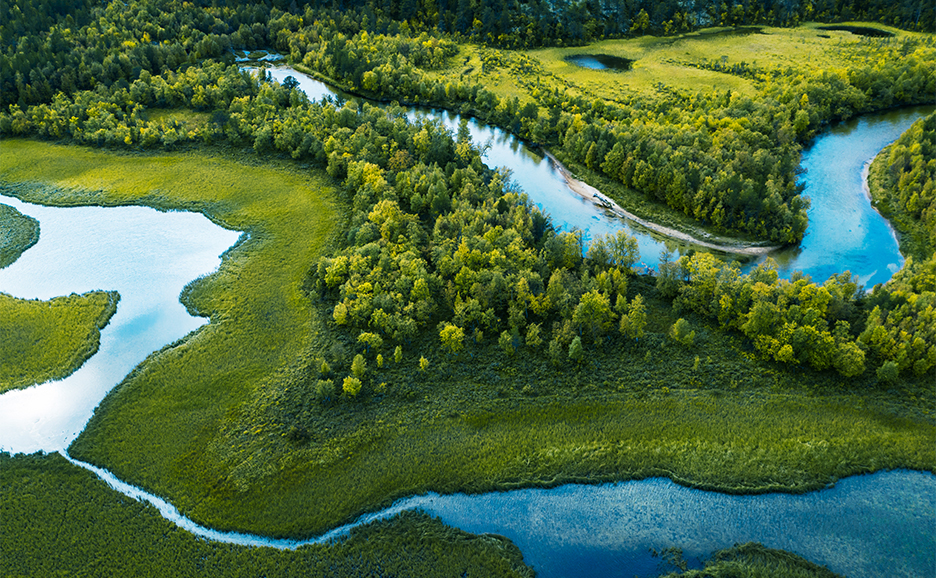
358	366
682	332
453	337
634	322
576	351
351	386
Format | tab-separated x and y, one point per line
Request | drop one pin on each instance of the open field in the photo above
675	61
225	424
47	340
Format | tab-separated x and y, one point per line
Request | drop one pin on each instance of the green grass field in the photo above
18	232
209	422
47	340
670	60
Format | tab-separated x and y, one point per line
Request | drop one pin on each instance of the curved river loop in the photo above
873	525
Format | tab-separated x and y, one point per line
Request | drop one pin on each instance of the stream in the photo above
865	526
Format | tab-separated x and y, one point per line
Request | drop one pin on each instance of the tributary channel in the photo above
875	525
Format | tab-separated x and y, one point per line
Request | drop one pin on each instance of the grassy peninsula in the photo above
18	232
47	340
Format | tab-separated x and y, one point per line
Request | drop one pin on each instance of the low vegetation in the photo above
753	560
400	319
18	232
59	519
47	340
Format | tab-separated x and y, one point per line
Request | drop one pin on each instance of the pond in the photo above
600	61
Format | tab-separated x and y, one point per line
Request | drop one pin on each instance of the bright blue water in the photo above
845	232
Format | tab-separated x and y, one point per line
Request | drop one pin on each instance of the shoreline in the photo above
593	195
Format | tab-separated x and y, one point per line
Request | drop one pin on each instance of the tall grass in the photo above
45	340
18	232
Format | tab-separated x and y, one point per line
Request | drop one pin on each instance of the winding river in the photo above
881	524
845	232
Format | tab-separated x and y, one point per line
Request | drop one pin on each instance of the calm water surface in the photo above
145	255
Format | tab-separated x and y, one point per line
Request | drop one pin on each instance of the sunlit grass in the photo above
45	340
18	232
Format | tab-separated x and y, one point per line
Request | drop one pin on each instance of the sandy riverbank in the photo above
595	196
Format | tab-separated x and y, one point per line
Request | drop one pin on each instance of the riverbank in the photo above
594	196
235	447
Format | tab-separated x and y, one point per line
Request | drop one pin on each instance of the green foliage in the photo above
576	351
453	337
682	332
902	181
423	363
59	519
324	390
351	386
358	366
18	232
48	340
398	354
753	560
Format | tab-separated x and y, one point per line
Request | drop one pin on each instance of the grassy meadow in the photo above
61	520
18	232
676	62
48	340
226	425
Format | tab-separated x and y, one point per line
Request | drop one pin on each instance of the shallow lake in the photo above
145	255
600	61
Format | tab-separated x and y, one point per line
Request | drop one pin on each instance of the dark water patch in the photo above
739	31
859	30
600	61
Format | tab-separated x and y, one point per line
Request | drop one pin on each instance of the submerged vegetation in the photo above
399	318
18	232
48	340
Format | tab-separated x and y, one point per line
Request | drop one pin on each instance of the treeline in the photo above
727	161
903	186
59	519
438	242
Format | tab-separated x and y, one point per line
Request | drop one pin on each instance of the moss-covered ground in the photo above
226	425
46	340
